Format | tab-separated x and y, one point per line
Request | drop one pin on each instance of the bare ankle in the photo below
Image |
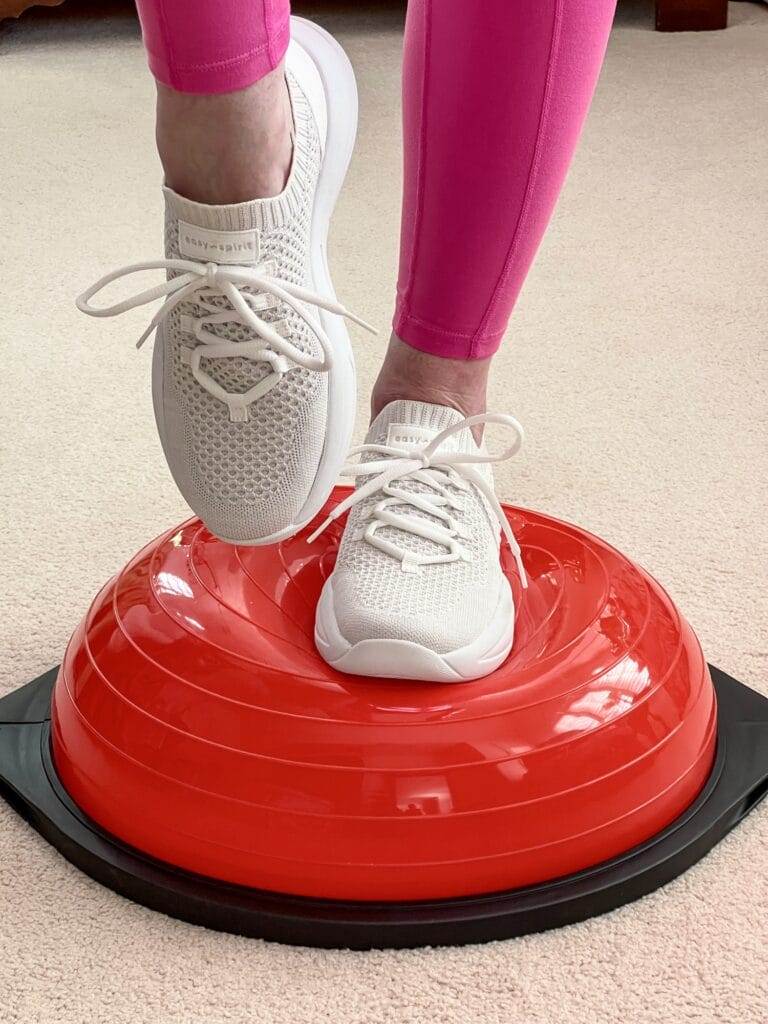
226	148
418	376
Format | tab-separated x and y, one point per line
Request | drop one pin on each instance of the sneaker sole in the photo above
405	659
326	75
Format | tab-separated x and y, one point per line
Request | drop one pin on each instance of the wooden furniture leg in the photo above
690	15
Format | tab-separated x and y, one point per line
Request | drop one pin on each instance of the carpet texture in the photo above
636	361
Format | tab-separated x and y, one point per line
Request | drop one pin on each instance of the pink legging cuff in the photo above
201	47
441	341
494	97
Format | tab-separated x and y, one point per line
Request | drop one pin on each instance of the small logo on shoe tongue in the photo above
239	247
406	435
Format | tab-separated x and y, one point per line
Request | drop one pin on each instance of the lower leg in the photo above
494	96
410	373
229	147
223	112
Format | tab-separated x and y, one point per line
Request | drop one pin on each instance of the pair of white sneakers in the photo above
254	396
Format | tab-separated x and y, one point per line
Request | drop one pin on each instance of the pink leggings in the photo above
494	96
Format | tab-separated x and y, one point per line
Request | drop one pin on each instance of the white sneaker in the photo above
418	591
253	377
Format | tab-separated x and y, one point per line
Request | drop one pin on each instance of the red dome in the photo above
193	719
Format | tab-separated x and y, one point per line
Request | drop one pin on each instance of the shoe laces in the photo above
202	282
444	472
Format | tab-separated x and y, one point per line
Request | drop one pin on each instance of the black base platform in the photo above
738	782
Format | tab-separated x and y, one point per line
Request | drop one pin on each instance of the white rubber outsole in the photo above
405	659
326	75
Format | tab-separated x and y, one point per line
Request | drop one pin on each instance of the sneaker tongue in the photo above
408	424
216	234
237	235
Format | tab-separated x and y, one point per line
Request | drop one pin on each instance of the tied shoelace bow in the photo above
439	470
199	283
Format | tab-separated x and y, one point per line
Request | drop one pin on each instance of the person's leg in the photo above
253	379
494	97
495	92
223	111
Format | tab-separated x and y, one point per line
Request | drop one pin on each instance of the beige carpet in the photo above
637	363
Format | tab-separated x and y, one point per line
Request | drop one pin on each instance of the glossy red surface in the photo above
194	720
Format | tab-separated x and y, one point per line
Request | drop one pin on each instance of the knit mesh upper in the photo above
255	476
441	606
